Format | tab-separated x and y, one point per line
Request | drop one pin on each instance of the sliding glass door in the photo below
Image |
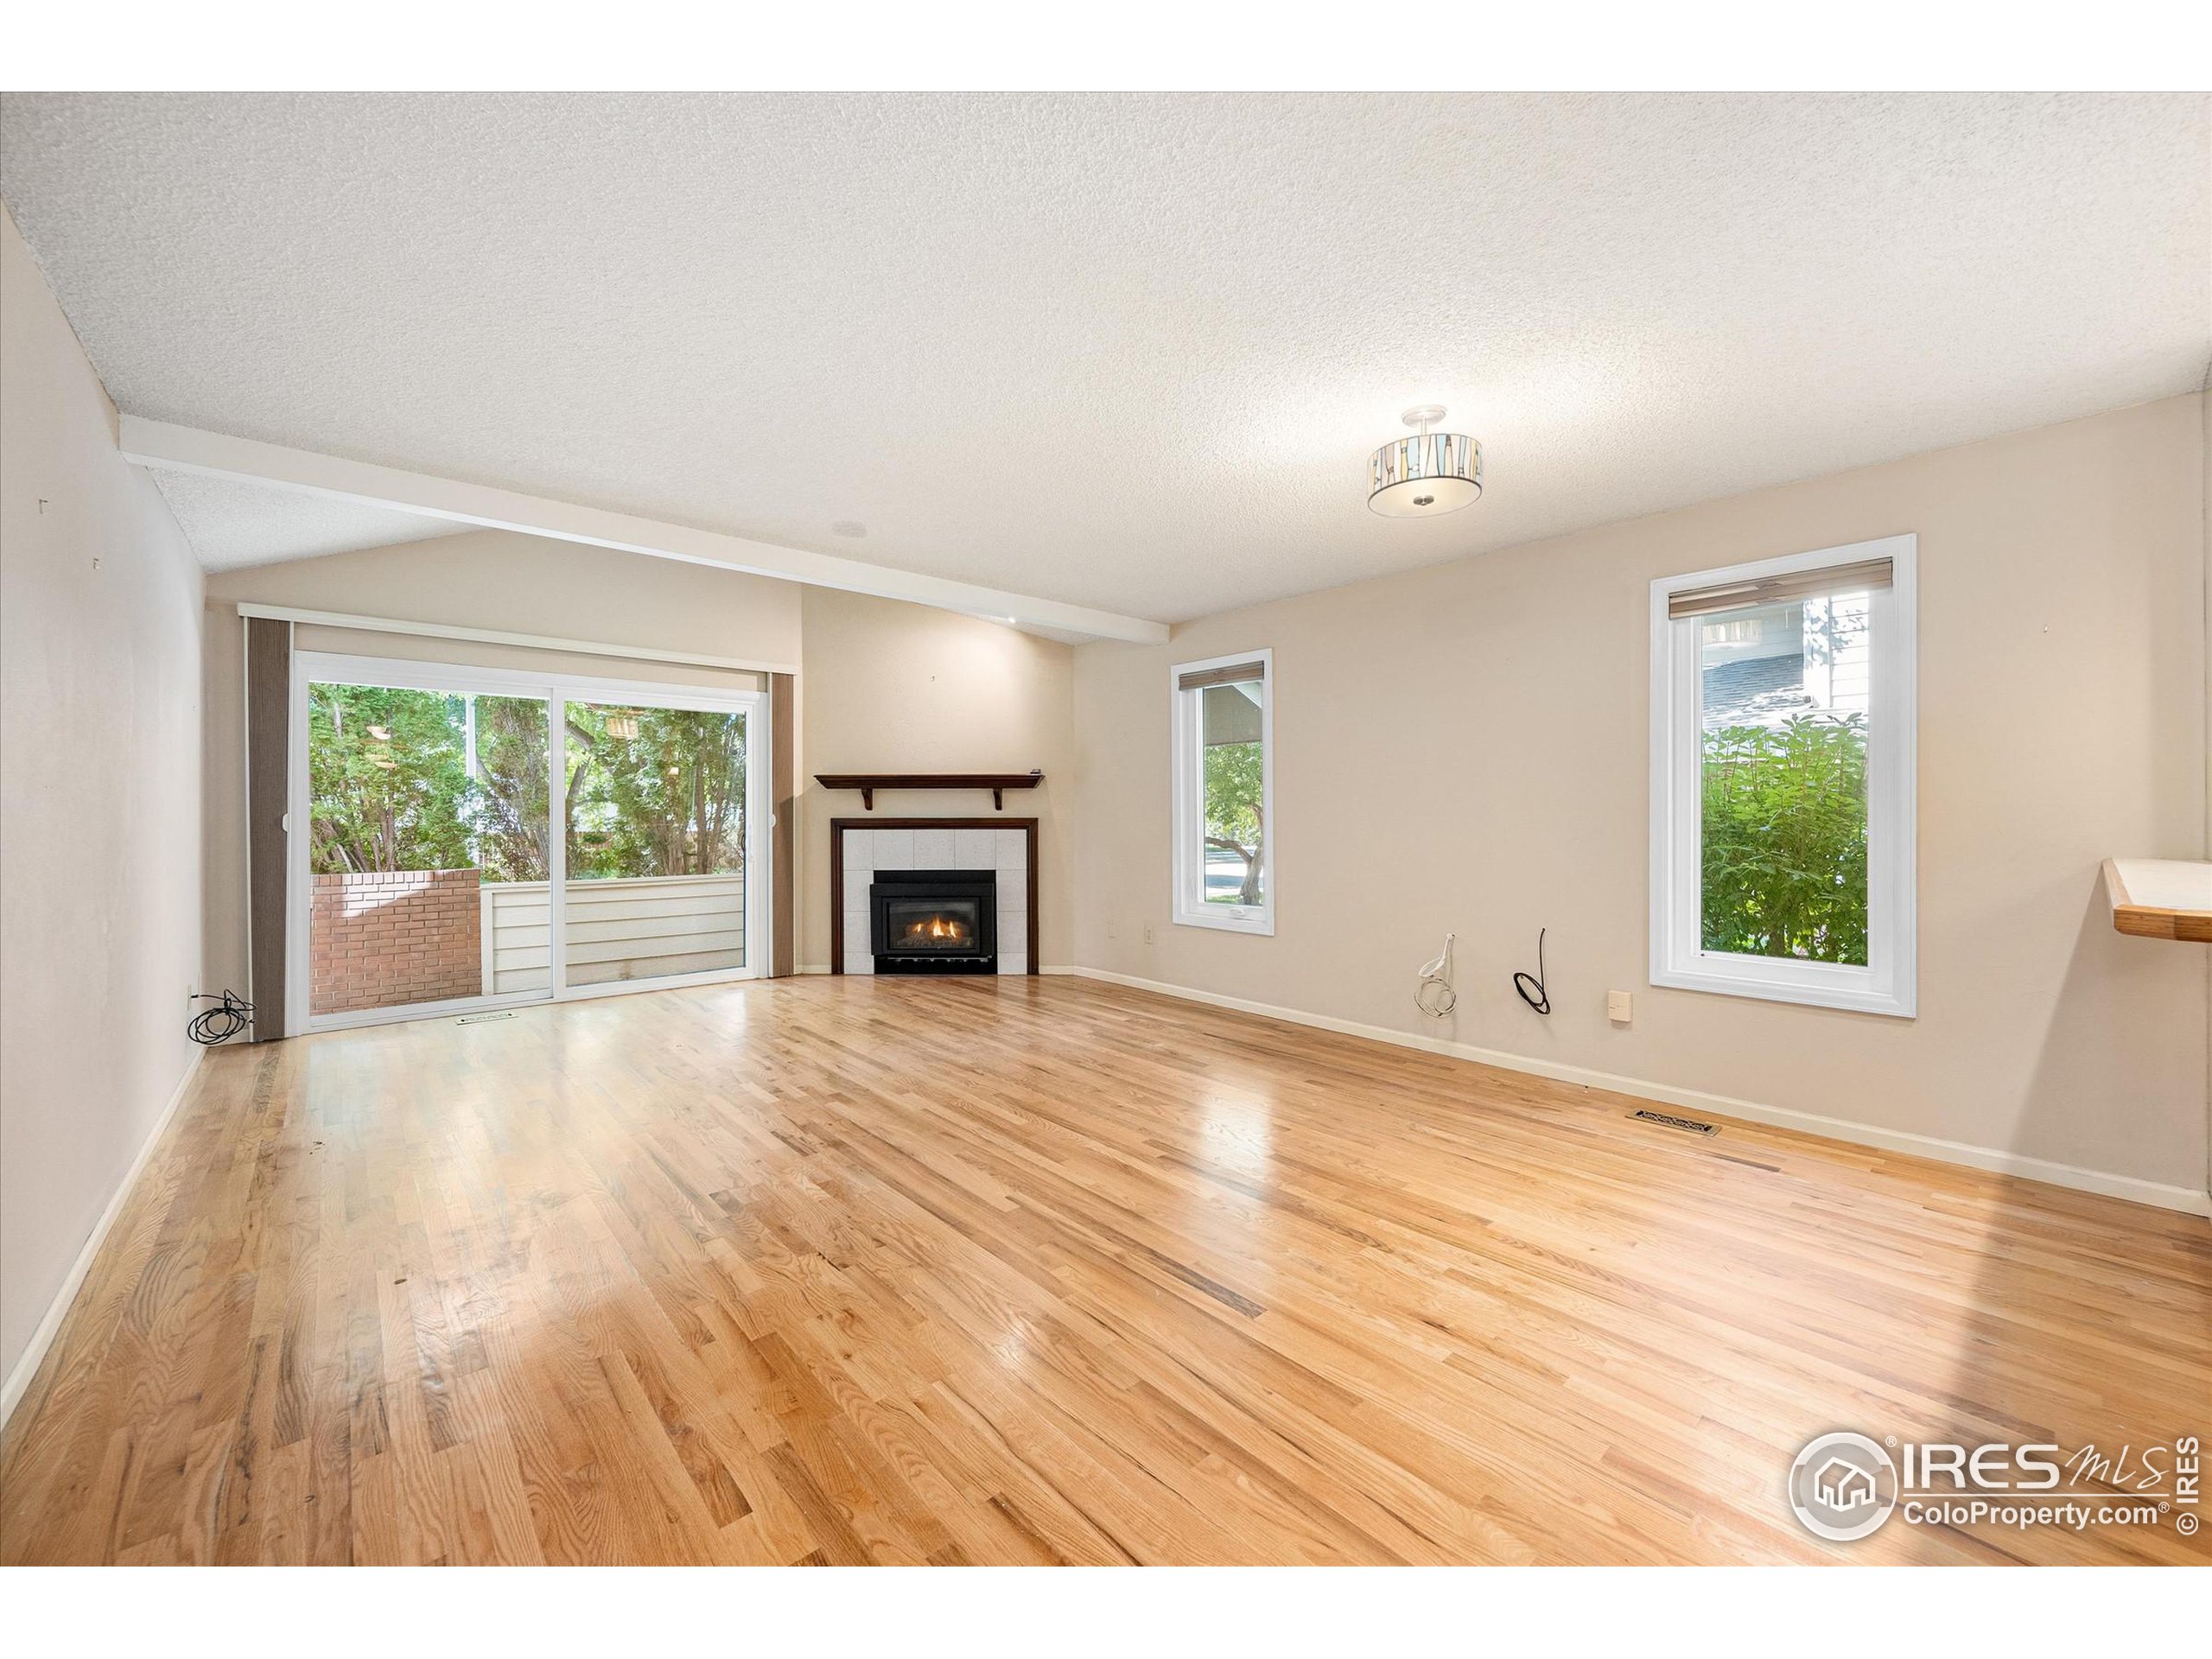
657	826
435	869
421	804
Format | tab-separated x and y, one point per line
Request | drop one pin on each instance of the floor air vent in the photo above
479	1019
1689	1125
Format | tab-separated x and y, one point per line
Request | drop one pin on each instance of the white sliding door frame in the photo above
558	690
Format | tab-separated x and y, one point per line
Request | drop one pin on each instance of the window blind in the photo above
1771	590
1235	674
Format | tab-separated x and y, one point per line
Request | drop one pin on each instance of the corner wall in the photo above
1464	749
99	804
892	687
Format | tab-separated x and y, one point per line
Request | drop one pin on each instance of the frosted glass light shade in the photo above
1427	474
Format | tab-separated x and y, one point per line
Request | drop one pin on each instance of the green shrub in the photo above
1785	834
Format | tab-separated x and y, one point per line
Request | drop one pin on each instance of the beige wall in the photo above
484	579
99	802
892	687
1466	748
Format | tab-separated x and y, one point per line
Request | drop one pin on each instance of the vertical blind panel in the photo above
1237	674
1769	590
269	789
782	722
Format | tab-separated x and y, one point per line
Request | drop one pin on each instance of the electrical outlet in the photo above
1618	1008
1147	932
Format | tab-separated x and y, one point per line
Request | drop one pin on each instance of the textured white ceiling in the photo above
1129	352
230	524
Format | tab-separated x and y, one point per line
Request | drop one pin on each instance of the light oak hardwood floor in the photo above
1043	1270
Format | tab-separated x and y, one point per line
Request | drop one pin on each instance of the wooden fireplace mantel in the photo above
868	782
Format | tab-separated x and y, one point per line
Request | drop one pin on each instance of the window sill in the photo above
1228	920
1851	992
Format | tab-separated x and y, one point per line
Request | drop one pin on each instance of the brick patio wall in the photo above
384	938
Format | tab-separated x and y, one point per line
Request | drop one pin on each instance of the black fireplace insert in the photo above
934	921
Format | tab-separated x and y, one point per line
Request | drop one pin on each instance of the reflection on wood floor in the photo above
1042	1270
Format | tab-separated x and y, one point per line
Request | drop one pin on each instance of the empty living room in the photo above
1227	828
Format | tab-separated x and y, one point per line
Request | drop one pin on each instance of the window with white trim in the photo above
1782	778
1223	795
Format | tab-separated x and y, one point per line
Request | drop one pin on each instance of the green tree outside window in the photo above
1785	839
1235	815
649	791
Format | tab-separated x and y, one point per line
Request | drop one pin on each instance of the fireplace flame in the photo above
940	930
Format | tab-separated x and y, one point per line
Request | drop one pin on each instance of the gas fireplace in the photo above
933	896
934	921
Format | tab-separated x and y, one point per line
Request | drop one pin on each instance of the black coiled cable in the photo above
1532	990
231	1016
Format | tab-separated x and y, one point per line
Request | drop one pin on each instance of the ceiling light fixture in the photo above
1430	474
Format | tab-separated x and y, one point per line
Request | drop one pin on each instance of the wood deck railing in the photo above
643	927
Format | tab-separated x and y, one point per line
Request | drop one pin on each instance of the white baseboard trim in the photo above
2129	1187
26	1363
823	968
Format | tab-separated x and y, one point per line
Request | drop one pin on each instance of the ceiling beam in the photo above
186	449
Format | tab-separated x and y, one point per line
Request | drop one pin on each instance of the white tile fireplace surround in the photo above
1003	848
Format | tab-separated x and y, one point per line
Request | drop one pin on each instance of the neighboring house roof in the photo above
1756	691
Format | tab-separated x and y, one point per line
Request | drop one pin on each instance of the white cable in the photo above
1435	995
